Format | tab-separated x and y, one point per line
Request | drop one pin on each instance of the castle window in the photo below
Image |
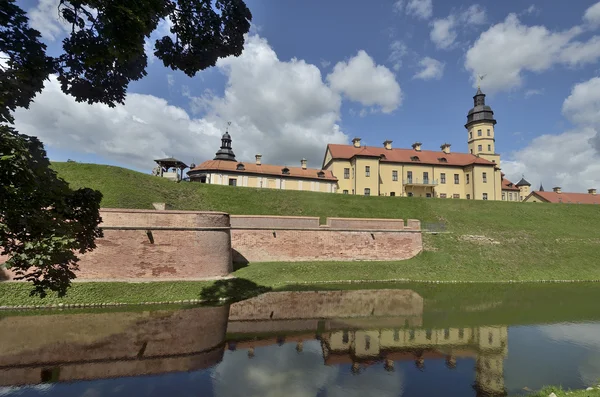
394	175
468	178
479	148
233	182
442	195
409	176
478	132
468	197
471	151
285	171
489	148
367	191
443	160
470	134
456	195
488	132
456	179
485	196
321	174
346	173
426	178
367	171
240	167
503	196
345	192
392	194
443	178
484	175
415	158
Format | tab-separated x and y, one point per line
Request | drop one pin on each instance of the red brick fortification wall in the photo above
104	345
272	239
155	245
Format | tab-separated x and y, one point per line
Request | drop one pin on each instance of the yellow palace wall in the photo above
381	178
272	182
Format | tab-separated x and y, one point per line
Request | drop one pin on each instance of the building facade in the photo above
224	169
387	171
558	196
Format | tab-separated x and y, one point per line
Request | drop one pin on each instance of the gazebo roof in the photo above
171	162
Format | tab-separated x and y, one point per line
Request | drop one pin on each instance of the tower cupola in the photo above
480	111
225	152
480	127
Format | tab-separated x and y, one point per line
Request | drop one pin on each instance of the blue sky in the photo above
315	72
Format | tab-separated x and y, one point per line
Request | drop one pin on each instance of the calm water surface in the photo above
388	340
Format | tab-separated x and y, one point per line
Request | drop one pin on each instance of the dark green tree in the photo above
43	223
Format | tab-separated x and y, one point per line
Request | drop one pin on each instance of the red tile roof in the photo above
508	185
404	155
568	198
264	169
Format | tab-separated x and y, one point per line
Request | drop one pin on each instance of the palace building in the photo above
224	169
387	171
383	171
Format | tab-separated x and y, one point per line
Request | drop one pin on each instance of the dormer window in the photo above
382	156
240	167
285	171
321	174
443	160
415	158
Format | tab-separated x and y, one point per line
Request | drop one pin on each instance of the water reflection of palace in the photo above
358	328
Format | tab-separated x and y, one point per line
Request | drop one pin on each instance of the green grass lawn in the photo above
529	241
545	392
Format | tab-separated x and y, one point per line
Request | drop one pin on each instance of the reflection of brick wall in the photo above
323	245
328	304
181	245
100	345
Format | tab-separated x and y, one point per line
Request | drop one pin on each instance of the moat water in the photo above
380	340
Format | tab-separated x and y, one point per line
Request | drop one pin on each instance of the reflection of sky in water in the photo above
559	354
567	354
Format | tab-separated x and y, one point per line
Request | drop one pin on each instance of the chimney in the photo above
446	148
557	189
417	146
303	163
592	192
387	144
356	142
258	157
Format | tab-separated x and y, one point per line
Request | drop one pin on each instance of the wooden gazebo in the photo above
167	164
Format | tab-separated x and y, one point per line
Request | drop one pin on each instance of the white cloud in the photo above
525	49
325	64
432	69
420	8
44	17
398	50
474	15
583	105
283	110
532	92
170	80
162	29
592	15
3	60
361	80
531	10
571	159
444	31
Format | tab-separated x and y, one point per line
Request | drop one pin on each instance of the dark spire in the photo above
522	182
480	112
225	153
541	188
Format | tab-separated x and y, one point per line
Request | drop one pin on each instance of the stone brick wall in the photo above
282	222
322	245
155	245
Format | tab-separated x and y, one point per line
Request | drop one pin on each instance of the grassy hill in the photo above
522	241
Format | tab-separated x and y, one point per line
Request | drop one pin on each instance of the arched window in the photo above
240	167
415	158
285	171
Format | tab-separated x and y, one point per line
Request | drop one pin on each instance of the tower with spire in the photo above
480	128
225	152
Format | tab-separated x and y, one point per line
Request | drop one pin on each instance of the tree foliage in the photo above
104	50
43	223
